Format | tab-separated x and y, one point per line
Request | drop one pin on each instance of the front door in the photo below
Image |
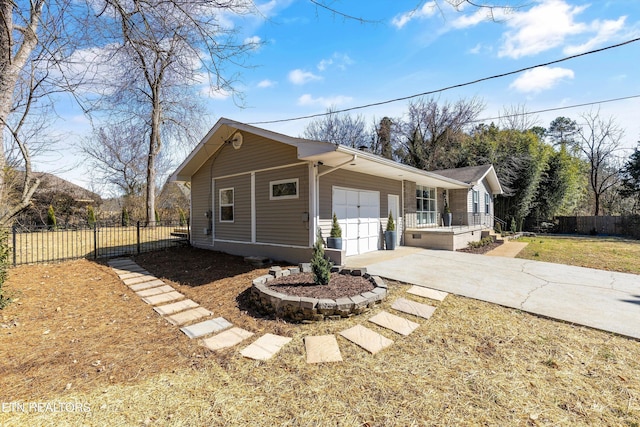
394	208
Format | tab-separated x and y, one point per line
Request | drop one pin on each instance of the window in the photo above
284	189
487	203
425	205
476	201
226	205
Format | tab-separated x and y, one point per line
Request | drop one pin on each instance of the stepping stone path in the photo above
265	347
181	311
397	324
427	293
219	333
370	340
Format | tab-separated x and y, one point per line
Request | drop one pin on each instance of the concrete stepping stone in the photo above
169	309
119	262
131	275
162	298
414	308
155	291
207	327
132	269
146	285
265	347
141	279
226	339
427	293
397	324
370	340
322	348
188	316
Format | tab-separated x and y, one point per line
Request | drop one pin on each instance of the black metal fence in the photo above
30	245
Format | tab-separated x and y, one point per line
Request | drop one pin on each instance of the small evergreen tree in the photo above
320	266
336	231
51	218
391	225
157	215
125	217
91	216
4	262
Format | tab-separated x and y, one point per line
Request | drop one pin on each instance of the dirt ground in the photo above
76	332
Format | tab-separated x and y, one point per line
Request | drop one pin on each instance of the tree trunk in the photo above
154	149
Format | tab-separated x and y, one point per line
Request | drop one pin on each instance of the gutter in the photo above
341	165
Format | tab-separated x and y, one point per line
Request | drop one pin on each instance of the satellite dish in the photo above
236	141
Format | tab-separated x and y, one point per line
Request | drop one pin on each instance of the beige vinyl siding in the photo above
410	208
283	221
355	181
200	204
240	229
255	153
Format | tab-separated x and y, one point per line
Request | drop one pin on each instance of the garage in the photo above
358	213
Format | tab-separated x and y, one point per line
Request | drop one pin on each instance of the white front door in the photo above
394	208
358	214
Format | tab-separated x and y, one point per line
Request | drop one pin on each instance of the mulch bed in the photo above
302	285
483	249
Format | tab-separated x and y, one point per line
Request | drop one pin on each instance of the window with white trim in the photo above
487	203
283	189
476	201
425	205
226	202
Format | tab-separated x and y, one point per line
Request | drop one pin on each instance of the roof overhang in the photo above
492	179
328	154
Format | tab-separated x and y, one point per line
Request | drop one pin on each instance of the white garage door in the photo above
358	213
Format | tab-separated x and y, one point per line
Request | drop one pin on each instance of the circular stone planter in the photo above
268	301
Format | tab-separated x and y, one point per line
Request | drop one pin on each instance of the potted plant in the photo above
446	214
334	241
390	234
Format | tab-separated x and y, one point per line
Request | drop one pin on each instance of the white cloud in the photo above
339	60
326	102
480	15
255	41
427	10
216	93
300	77
542	27
605	31
540	79
267	83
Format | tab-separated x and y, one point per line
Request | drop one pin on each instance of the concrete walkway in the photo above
600	299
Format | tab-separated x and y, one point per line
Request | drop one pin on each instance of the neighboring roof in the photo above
329	154
473	175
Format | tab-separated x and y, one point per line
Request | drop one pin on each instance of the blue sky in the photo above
312	59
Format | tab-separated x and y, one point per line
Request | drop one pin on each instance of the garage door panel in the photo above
358	215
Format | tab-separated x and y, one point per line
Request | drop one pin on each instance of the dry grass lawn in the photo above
602	253
472	363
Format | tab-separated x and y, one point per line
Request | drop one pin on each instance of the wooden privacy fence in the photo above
616	225
43	244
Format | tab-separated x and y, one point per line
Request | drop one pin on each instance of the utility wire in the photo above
528	113
404	98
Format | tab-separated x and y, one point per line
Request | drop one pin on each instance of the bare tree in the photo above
343	129
598	140
516	117
433	133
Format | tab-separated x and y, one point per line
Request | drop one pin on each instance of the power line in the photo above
404	98
527	113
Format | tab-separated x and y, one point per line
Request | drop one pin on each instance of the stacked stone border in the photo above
268	301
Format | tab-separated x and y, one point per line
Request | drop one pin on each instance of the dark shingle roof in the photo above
469	174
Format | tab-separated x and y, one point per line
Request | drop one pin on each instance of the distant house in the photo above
257	192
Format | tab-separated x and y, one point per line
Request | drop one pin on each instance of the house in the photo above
258	192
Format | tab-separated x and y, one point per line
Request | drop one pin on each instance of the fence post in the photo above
14	239
138	236
95	240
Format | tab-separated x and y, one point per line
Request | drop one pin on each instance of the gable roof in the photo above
331	155
473	175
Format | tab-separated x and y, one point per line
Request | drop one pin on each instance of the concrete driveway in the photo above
600	299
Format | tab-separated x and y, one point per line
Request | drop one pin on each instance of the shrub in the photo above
91	216
157	215
51	218
480	243
4	263
513	226
391	226
320	266
498	228
336	231
125	217
183	217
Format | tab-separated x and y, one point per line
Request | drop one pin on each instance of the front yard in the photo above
78	334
